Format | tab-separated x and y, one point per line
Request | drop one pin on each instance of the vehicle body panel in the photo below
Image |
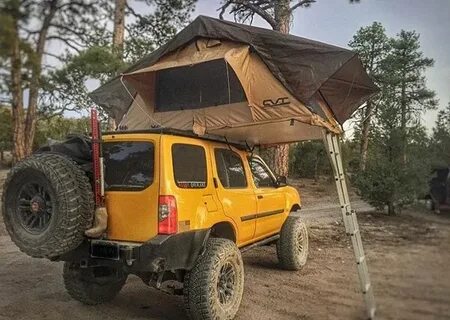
253	213
237	203
132	215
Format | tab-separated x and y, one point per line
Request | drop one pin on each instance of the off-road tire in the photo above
292	247
72	204
82	285
201	284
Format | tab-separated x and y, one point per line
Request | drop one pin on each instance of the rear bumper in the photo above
161	253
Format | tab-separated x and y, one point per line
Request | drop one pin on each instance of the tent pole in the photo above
333	148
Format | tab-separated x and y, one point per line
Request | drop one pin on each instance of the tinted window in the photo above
128	165
261	175
201	85
230	169
189	166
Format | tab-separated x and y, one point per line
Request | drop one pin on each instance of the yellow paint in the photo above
133	216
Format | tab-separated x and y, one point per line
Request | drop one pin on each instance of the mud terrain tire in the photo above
292	247
47	205
213	288
93	285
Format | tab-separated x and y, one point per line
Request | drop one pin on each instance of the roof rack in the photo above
184	133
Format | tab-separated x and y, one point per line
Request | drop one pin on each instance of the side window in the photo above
261	176
189	166
230	169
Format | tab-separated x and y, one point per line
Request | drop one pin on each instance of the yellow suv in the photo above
180	210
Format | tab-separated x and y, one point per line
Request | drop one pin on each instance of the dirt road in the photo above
408	256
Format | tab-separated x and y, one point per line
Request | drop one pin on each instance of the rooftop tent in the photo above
242	82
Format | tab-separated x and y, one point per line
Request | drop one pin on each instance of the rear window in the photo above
189	166
128	165
230	169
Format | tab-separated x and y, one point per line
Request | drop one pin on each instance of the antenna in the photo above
228	144
249	149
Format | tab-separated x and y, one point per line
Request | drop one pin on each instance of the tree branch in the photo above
300	4
66	41
58	57
133	12
252	7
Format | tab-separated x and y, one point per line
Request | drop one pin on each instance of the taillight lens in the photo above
167	215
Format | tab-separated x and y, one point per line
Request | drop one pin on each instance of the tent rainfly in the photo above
242	82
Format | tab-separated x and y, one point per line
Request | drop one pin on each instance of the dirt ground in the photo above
408	256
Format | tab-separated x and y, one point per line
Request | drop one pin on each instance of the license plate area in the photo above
105	250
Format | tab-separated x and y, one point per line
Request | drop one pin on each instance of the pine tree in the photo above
406	92
398	162
28	26
134	35
372	46
440	139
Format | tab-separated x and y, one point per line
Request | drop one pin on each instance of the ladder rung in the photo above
372	313
367	287
361	259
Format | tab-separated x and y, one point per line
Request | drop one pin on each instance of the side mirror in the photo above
281	181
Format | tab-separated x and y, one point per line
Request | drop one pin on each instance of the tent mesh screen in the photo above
201	85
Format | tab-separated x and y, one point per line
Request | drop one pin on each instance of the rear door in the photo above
271	201
187	175
131	187
235	191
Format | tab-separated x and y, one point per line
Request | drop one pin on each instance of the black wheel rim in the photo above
226	283
35	207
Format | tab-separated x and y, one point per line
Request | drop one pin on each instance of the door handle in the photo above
260	196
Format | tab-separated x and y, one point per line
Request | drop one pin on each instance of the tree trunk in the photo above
119	27
391	209
283	22
316	166
17	98
364	144
403	124
118	41
281	160
282	16
31	119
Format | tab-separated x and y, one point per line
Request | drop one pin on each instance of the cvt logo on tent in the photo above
282	101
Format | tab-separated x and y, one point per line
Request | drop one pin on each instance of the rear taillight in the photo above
167	215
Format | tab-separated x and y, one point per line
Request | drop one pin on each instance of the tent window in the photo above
201	85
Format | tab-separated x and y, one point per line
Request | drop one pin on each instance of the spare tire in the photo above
47	205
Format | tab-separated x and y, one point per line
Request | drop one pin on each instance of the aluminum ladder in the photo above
350	221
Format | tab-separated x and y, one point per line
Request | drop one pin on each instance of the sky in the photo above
336	21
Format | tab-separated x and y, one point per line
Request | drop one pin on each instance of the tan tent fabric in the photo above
267	99
269	133
198	51
329	80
